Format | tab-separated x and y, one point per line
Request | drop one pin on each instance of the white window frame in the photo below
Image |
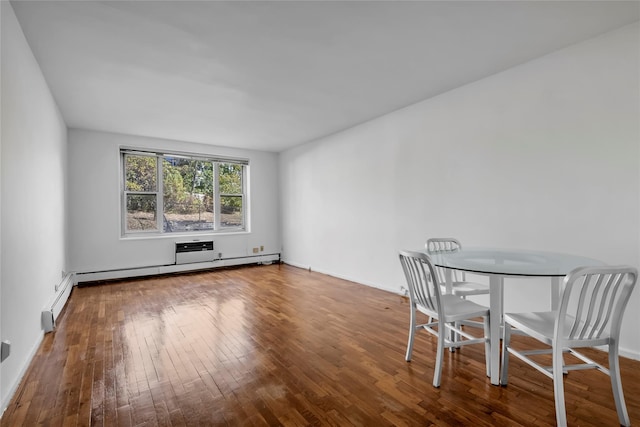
159	193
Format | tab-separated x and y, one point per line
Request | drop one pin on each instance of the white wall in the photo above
95	237
2	406
542	156
33	181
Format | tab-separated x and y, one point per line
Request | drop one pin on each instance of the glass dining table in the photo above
499	264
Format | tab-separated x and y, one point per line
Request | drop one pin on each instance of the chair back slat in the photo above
585	313
602	319
421	279
614	288
593	301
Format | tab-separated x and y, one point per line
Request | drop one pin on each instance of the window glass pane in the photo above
231	211
141	212
230	178
187	195
140	173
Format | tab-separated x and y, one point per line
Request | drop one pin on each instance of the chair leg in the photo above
412	333
616	386
558	385
439	356
453	336
487	344
506	342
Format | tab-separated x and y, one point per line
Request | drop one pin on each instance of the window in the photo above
171	192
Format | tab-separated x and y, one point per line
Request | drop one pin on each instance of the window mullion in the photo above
216	196
160	195
243	189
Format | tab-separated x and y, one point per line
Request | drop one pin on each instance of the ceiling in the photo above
269	75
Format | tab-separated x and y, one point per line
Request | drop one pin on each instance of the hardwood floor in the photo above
276	345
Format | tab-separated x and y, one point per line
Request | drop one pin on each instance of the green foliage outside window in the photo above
141	173
188	185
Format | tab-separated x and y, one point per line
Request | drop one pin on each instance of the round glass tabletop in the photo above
512	262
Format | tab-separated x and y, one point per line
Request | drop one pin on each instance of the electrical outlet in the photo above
256	250
261	248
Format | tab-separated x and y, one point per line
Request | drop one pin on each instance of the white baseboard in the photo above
124	273
343	277
629	354
23	370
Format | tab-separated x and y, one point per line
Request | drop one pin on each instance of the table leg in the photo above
555	293
496	297
448	281
448	277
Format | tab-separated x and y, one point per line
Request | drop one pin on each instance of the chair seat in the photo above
541	326
465	289
455	309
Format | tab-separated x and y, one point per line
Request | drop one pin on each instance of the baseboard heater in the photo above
194	251
54	308
151	270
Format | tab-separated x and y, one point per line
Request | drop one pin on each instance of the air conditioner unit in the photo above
194	251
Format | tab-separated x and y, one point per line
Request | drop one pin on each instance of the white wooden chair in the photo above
590	314
444	311
459	284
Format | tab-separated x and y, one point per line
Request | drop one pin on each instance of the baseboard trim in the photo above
23	370
124	273
343	277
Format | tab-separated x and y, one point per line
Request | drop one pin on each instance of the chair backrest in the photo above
594	300
442	244
445	244
424	288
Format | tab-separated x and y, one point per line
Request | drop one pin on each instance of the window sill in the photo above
192	235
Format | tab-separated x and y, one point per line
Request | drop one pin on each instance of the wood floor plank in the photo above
276	345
